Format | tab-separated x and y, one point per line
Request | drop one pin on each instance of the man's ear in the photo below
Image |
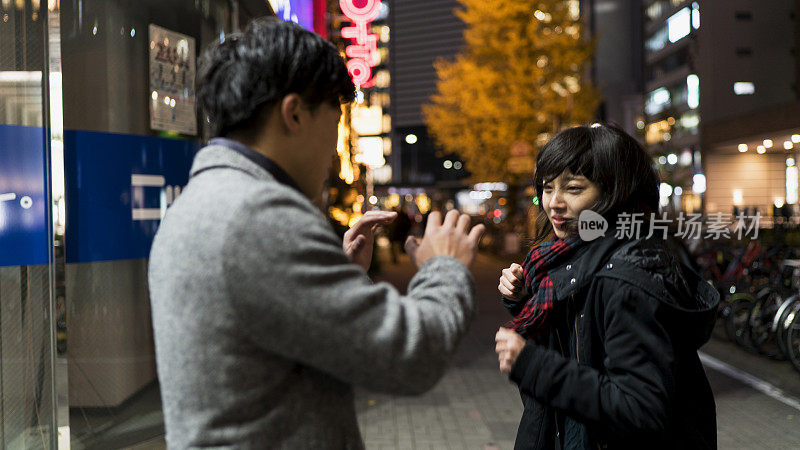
291	109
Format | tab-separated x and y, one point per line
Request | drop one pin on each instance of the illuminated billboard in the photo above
298	11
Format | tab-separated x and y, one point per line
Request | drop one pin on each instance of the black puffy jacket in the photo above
619	368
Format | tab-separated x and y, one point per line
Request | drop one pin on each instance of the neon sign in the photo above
363	53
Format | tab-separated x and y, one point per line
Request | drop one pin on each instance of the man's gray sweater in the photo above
263	326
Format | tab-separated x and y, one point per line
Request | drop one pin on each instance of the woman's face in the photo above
564	198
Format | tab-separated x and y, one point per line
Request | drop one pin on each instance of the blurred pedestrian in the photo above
264	319
604	337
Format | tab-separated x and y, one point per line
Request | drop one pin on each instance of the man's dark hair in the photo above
606	156
253	70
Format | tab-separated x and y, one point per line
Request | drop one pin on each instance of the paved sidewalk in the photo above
475	407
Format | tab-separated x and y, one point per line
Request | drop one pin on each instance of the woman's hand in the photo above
512	283
509	345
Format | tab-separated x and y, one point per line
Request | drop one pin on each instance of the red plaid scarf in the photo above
533	318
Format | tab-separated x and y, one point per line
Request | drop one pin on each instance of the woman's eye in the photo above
575	188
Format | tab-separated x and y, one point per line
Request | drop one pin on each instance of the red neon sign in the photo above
363	53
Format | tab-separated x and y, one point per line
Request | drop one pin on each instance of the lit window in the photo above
657	101
693	91
699	183
679	25
695	15
658	40
791	185
686	158
690	121
655	10
744	88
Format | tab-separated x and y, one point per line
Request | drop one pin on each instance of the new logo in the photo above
591	225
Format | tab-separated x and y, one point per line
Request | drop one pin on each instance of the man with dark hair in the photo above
264	320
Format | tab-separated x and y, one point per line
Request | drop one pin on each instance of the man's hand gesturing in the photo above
357	243
451	237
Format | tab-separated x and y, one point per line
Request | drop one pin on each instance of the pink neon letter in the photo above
367	13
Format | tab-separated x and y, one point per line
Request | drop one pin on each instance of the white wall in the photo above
761	178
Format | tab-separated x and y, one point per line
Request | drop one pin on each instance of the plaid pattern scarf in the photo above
533	318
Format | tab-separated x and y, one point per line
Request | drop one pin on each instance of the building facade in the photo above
423	31
617	64
719	77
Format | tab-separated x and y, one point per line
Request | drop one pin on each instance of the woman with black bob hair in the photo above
605	331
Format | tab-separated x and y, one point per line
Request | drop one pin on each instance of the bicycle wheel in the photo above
782	321
736	319
793	340
759	325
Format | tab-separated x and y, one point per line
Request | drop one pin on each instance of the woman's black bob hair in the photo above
608	157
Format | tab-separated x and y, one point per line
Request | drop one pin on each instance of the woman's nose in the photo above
556	201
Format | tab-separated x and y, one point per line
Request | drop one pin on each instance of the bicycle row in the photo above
759	286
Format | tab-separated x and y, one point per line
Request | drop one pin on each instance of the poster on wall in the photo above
172	71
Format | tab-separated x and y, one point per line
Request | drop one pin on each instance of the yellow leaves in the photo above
517	79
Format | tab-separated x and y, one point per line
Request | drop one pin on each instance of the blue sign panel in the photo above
298	11
23	218
118	187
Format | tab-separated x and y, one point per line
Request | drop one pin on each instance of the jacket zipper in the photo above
555	414
578	354
577	345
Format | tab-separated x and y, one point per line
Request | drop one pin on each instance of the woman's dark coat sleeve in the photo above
513	307
631	394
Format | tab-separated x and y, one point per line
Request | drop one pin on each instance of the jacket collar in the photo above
216	156
579	270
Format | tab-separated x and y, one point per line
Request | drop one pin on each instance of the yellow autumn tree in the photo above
520	78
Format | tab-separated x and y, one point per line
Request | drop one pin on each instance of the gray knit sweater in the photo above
262	325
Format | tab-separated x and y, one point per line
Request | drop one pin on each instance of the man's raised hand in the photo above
451	237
